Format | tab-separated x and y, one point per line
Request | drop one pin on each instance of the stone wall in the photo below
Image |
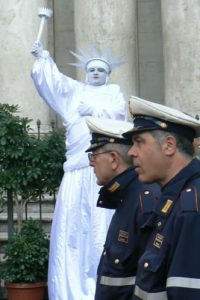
158	39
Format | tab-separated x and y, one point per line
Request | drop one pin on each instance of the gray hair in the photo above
183	144
122	150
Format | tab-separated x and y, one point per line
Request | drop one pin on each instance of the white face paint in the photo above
97	72
96	76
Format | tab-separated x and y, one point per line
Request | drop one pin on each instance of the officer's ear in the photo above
169	145
115	160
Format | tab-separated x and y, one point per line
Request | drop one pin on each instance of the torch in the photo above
44	14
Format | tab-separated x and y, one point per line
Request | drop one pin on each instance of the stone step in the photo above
1	257
46	207
46	216
33	211
46	223
3	236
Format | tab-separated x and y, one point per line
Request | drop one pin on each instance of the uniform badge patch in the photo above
123	236
114	187
167	206
158	240
111	140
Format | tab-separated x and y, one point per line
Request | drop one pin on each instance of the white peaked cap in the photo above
109	127
106	131
138	106
149	115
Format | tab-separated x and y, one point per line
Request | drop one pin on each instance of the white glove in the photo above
85	109
37	49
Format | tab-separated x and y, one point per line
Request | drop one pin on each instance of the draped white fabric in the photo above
79	227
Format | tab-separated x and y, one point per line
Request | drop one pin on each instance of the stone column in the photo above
181	43
110	23
19	25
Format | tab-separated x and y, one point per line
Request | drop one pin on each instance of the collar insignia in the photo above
167	206
114	187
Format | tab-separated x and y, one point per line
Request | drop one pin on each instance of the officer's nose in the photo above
132	151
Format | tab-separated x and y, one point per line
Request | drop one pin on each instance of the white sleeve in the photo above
54	87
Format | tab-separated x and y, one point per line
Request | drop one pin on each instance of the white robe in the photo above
79	228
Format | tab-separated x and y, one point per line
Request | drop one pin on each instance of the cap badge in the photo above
111	140
163	125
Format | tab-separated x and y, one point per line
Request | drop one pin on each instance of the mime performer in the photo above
79	227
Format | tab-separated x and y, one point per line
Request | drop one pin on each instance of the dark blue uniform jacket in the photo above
170	266
133	202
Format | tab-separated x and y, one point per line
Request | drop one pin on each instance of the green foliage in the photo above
29	166
26	255
50	157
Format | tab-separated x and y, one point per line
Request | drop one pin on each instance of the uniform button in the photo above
159	224
146	192
146	265
104	253
100	202
116	261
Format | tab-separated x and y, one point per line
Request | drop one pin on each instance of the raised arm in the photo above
53	86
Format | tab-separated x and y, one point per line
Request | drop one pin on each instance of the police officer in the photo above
196	144
122	192
163	152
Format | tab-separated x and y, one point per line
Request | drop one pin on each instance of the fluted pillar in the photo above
110	23
18	30
181	38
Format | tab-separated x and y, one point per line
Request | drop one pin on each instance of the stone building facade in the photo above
158	39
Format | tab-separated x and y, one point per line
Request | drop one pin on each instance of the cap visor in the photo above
135	130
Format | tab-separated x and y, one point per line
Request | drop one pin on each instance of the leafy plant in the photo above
26	255
29	167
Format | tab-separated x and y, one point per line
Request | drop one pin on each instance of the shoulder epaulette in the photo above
189	200
148	201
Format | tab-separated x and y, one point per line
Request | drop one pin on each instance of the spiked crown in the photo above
100	58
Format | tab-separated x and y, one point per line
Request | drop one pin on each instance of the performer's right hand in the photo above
85	109
37	49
